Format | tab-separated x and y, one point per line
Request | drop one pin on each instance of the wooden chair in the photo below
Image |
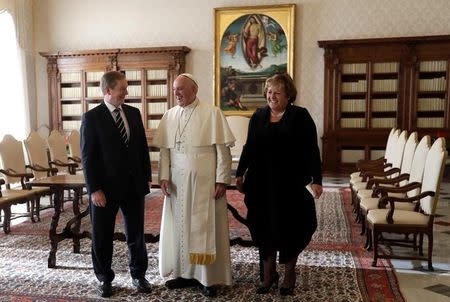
418	222
36	149
74	146
16	176
364	165
239	127
412	171
58	152
396	161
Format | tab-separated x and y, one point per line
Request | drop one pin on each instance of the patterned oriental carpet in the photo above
334	267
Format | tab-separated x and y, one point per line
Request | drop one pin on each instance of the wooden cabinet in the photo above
372	85
74	82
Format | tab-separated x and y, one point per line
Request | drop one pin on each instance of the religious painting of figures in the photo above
251	44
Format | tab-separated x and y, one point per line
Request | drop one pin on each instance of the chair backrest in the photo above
11	157
74	144
37	152
57	146
390	144
239	127
397	151
408	154
418	163
432	175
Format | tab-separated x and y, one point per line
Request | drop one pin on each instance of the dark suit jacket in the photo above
109	165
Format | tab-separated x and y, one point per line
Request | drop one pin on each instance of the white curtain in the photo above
14	113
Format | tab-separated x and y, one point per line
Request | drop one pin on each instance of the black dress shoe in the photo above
181	283
287	291
105	289
142	285
209	291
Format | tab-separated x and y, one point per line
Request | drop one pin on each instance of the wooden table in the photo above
59	183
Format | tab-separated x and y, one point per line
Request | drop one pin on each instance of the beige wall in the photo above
86	24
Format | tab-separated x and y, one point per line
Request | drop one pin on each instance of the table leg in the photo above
76	228
53	225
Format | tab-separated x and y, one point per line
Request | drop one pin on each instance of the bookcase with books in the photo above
372	85
74	82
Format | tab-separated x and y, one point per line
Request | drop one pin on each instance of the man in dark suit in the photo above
117	169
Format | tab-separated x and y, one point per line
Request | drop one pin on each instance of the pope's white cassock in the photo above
194	144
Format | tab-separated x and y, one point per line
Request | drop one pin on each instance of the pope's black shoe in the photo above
142	285
105	289
181	283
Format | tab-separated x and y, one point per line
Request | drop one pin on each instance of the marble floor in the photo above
417	284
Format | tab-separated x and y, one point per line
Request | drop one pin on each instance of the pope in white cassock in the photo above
195	166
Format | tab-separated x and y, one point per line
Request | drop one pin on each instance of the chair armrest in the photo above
39	168
371	162
75	159
24	177
387	181
72	166
393	200
403	189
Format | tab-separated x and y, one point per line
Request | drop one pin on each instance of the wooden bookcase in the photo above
372	85
74	82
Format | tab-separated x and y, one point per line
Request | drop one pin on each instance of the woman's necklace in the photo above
180	133
277	114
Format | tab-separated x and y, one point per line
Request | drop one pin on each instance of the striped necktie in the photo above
121	126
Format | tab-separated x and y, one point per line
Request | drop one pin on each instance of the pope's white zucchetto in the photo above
190	77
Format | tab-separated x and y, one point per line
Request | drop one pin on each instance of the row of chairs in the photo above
398	194
44	156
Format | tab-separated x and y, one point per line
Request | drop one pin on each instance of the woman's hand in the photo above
165	187
239	183
317	190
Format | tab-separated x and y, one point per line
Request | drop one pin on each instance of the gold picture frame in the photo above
251	43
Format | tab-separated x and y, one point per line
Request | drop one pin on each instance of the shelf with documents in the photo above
74	82
372	85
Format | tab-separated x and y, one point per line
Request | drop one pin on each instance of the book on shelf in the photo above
135	105
157	74
70	92
430	122
157	90
353	105
351	155
92	105
430	104
430	66
71	109
94	76
356	68
385	67
133	75
384	105
94	92
71	125
71	77
157	108
383	122
435	84
353	122
374	154
134	90
356	86
386	85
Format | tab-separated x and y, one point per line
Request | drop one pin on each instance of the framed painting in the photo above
251	44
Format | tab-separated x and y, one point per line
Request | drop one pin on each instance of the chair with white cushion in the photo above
239	127
417	222
58	152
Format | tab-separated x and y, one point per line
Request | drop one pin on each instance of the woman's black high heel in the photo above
273	283
287	291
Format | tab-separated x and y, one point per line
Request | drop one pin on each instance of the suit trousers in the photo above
103	224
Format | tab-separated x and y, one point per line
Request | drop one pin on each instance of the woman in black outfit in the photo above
280	158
